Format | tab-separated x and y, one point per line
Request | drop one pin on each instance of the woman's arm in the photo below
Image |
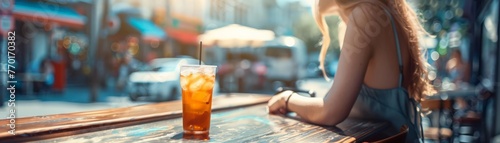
353	62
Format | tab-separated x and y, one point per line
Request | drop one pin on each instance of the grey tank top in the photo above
393	105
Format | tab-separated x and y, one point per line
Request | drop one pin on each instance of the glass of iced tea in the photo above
197	82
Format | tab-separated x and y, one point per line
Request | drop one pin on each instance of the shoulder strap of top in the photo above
400	62
396	36
398	48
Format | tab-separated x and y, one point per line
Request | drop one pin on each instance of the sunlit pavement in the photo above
76	99
73	99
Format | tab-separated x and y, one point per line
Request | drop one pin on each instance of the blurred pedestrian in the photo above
458	69
46	79
260	69
459	73
125	68
48	73
381	72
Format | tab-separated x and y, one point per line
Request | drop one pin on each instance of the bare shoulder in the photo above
367	22
369	14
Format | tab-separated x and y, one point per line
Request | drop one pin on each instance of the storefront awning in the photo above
183	36
147	29
43	12
236	36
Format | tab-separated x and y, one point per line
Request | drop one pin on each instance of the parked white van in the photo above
285	58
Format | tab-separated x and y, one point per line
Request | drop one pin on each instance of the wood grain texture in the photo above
240	123
32	128
245	124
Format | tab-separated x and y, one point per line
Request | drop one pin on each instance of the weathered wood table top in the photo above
237	118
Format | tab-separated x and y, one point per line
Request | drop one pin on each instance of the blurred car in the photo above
161	83
285	59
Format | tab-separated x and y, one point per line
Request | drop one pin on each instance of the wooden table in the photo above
236	118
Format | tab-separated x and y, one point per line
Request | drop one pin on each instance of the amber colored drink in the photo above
197	82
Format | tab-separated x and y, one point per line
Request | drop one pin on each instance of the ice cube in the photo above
196	84
185	72
209	77
208	85
201	96
208	71
194	77
184	83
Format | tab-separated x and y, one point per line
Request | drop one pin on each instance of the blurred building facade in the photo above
180	20
184	22
282	16
220	13
52	40
274	15
81	37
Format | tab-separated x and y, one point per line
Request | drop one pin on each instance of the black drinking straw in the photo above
199	62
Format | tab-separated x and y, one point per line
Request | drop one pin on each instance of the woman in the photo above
381	72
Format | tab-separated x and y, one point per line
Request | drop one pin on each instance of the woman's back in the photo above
382	96
383	70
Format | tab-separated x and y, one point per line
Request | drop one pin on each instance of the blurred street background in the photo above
81	55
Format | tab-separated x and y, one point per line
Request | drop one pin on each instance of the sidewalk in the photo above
73	99
80	94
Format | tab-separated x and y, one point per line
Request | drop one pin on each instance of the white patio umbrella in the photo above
236	36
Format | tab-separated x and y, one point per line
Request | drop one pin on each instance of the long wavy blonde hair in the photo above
418	85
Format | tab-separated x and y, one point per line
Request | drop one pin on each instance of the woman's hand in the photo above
277	104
